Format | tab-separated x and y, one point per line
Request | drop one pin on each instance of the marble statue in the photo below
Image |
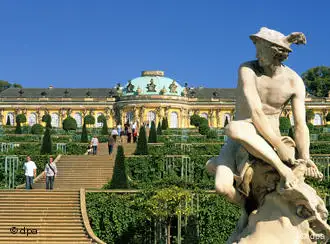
260	170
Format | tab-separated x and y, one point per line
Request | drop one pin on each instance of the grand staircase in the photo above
57	216
48	217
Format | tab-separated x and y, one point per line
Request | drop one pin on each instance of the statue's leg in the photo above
246	134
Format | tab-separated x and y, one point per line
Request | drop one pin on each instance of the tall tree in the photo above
84	134
317	81
8	120
309	115
159	129
164	124
142	145
4	85
119	178
46	146
153	133
102	119
48	120
20	118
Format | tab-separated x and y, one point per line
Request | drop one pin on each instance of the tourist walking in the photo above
135	135
95	143
134	127
30	172
129	134
114	134
50	173
111	143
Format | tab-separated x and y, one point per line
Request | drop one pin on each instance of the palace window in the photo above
55	120
78	118
32	120
174	120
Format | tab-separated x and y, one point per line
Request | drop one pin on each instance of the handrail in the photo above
41	174
85	217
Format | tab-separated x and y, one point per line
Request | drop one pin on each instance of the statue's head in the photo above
273	47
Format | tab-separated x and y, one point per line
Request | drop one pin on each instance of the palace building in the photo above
147	98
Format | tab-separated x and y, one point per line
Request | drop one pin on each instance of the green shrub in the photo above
84	135
309	115
37	129
159	129
153	133
310	127
89	120
212	134
203	128
48	120
164	124
20	118
102	119
328	117
119	178
285	124
18	129
142	145
324	137
46	146
320	148
69	123
195	120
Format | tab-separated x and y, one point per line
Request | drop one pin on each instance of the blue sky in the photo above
67	43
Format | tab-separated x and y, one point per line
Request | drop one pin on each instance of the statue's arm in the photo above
259	119
299	114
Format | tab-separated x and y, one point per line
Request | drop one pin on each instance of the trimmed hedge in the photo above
124	219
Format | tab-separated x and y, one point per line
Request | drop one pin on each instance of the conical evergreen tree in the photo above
142	145
119	178
159	129
164	124
153	133
48	119
8	120
84	135
104	128
46	146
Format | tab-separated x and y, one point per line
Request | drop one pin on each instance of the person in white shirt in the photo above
50	173
95	143
114	134
30	172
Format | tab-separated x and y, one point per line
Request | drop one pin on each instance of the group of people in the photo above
130	130
30	169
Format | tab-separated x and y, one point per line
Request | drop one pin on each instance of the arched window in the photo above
226	119
151	116
174	120
10	119
318	119
129	117
55	120
97	124
204	115
32	120
78	118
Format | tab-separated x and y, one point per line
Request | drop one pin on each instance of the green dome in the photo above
152	83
